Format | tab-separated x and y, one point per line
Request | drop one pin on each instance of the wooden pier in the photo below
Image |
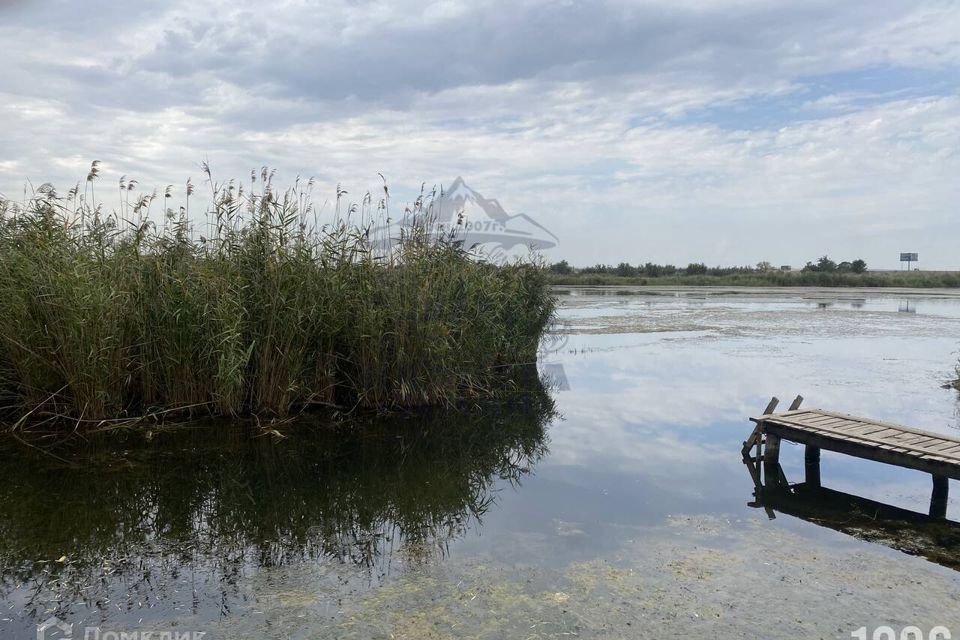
933	453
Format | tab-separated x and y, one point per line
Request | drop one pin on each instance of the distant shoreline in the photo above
868	280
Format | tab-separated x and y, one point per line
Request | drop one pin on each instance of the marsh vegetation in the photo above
254	307
822	273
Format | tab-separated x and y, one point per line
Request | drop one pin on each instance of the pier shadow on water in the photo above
125	528
934	538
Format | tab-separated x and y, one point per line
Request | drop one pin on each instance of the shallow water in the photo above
625	514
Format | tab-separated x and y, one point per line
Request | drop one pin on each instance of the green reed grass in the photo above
255	309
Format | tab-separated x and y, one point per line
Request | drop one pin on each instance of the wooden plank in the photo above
868	424
813	416
931	446
911	439
873	440
942	467
946	445
888	436
875	431
893	447
890	424
927	449
771	406
815	420
828	420
787	414
936	458
828	428
803	424
947	449
840	425
890	447
863	427
881	435
842	437
916	449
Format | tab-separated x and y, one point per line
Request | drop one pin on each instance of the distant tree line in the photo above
652	270
826	265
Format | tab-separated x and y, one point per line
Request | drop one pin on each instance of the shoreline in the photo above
777	279
842	293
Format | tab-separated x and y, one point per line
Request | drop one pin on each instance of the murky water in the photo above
620	509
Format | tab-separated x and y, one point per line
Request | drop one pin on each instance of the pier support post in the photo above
771	461
771	452
811	465
938	499
773	477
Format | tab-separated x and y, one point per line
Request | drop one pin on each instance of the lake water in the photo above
616	505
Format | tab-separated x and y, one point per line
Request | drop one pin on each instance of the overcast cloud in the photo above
673	130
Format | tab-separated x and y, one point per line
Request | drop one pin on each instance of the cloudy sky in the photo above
728	131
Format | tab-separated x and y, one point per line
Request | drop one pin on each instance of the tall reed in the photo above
254	308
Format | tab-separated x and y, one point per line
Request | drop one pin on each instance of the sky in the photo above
671	131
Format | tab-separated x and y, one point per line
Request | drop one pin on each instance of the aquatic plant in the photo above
253	308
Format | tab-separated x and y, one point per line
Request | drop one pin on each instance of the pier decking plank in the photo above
884	435
935	453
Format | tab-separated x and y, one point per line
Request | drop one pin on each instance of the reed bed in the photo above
252	308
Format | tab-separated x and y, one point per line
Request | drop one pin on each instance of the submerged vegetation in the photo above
254	308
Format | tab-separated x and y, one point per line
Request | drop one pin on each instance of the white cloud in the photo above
659	131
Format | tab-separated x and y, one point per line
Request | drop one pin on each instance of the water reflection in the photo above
933	538
637	515
128	527
907	306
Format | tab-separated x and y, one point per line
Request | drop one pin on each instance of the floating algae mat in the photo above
617	508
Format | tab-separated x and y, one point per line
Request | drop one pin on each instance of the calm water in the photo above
619	508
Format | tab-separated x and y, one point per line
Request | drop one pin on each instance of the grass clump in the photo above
258	309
